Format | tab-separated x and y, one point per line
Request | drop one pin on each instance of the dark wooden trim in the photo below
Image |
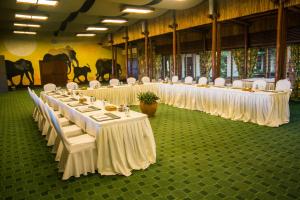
214	48
280	71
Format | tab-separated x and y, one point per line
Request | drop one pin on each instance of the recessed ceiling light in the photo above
39	2
95	28
85	34
33	17
25	32
114	21
139	10
27	25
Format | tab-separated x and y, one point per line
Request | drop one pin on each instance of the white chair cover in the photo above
49	87
174	79
237	84
188	80
146	79
114	82
219	81
35	110
94	84
131	80
283	85
202	81
259	84
72	86
79	155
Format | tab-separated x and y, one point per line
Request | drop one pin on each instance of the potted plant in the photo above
148	103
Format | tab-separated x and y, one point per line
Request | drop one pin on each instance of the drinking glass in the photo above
127	111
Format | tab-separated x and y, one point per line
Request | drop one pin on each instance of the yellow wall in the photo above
34	48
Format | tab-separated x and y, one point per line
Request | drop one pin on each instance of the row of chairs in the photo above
94	83
75	150
258	84
283	84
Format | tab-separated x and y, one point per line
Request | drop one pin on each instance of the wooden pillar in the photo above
126	50
218	67
116	73
131	60
146	34
214	49
179	67
174	46
150	59
174	51
246	30
112	56
280	72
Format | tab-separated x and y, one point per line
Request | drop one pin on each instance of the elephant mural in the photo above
81	71
67	55
104	66
20	67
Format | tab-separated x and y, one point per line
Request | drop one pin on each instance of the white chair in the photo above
283	85
49	87
259	85
174	79
79	155
114	82
202	81
131	80
72	86
220	81
237	84
94	84
188	80
35	110
145	79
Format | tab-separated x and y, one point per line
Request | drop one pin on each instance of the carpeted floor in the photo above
198	157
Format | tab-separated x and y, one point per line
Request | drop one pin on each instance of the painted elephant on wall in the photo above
81	71
67	55
104	66
20	67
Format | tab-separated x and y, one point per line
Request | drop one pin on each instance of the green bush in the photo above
147	97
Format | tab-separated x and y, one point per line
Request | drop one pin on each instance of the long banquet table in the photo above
123	144
269	108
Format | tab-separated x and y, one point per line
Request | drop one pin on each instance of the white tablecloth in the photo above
263	108
118	95
123	144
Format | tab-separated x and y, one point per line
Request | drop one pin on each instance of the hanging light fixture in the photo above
25	32
32	17
85	34
113	21
96	28
27	25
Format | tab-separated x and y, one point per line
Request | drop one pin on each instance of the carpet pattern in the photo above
199	156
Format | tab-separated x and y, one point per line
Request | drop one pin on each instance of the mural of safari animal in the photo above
67	55
20	67
104	66
81	71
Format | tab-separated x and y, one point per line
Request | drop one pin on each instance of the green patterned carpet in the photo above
198	157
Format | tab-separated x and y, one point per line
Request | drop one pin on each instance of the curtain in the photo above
239	59
252	61
205	63
294	69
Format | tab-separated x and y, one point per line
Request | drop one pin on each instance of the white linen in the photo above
220	81
121	95
284	85
123	144
263	108
114	82
72	86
